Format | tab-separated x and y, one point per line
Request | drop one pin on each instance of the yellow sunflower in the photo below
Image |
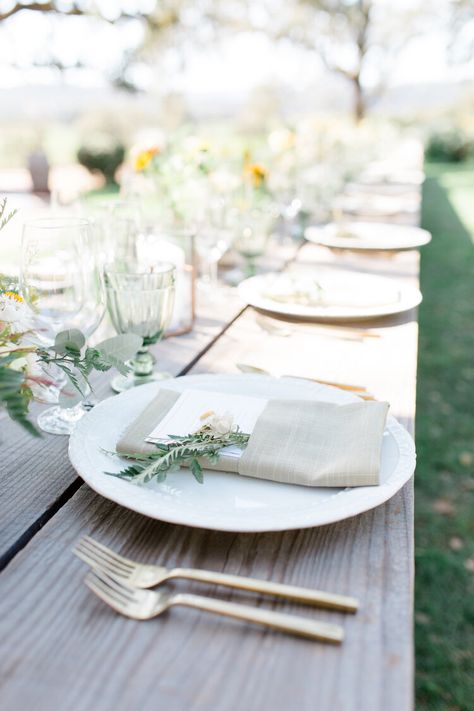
14	295
256	173
143	159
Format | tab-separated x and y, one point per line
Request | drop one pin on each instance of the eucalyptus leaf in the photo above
118	349
71	339
123	346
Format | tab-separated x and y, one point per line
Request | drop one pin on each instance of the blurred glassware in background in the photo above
61	281
140	300
115	227
125	230
253	228
211	244
177	246
214	231
129	210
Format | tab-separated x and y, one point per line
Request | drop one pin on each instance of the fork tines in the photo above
98	556
117	595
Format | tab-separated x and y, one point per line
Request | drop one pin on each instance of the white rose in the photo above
217	425
222	424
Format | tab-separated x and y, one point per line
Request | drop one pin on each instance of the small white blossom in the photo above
223	424
14	312
219	425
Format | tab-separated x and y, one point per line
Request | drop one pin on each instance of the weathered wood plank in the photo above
34	473
62	647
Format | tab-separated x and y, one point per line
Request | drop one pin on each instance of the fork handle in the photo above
290	592
341	386
312	629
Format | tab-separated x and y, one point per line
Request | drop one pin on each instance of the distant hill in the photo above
66	102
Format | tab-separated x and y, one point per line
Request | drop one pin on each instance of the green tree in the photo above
360	39
156	19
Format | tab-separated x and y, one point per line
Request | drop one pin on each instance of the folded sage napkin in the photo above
303	442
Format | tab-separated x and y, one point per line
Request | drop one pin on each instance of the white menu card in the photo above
185	415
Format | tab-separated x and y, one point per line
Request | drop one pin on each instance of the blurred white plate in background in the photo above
330	296
368	236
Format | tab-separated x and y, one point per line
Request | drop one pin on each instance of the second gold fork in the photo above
146	604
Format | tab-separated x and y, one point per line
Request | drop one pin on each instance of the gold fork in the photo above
146	604
143	576
359	390
285	328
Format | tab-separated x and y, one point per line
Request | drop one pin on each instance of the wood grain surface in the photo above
60	647
63	648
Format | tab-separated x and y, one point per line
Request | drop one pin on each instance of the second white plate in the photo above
377	206
368	236
361	296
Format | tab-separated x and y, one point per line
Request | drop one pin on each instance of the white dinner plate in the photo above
409	192
229	502
383	173
379	206
346	296
368	236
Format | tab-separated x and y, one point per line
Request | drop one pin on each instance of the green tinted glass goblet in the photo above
140	300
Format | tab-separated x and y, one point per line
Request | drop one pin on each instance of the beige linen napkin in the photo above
303	442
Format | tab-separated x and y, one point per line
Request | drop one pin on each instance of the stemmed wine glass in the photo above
140	300
212	225
115	228
211	243
251	235
61	282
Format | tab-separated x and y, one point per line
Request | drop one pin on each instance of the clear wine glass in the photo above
251	235
140	300
115	228
61	282
210	219
211	244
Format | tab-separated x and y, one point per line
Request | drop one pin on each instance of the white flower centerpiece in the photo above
24	362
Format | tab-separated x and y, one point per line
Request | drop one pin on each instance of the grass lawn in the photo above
444	518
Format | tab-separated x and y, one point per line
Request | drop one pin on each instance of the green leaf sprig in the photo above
4	216
182	450
77	361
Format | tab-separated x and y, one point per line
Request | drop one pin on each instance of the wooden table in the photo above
62	648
